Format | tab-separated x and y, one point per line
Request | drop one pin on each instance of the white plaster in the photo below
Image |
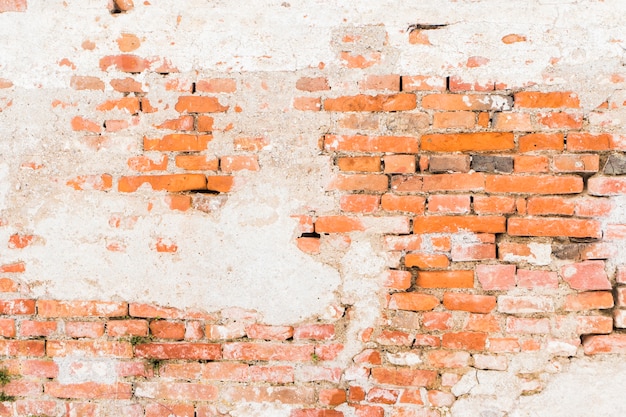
78	369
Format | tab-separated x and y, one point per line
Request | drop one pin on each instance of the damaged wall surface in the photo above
305	209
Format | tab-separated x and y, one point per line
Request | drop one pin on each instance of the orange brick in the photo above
360	182
528	163
250	143
220	183
360	203
594	324
359	163
314	332
217	85
267	351
453	102
554	227
338	224
205	123
172	182
178	142
89	329
589	142
181	123
7	328
239	163
614	343
362	102
464	142
127	85
453	182
172	410
541	142
332	396
550	206
445	279
482	323
473	252
360	61
198	104
89	390
400	280
80	124
595	300
130	104
413	301
447	359
192	351
100	348
402	164
454	224
513	38
536	99
117	328
537	279
392	144
409	203
197	162
496	277
17	241
454	120
102	182
124	62
536	184
494	205
78	82
164	329
29	328
426	260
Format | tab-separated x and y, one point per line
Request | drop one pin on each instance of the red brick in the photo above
314	332
307	103
217	85
607	186
557	227
400	280
536	184
259	331
272	374
318	373
593	207
504	345
312	84
452	102
587	275
454	120
436	320
541	142
494	205
560	120
537	279
452	182
394	144
54	308
413	301
359	164
588	301
469	302
426	260
171	410
486	323
447	359
410	396
459	84
404	377
30	328
124	62
525	304
496	277
127	85
464	340
152	311
447	203
332	396
382	395
594	325
91	182
577	142
512	122
194	351
172	182
351	60
101	348
7	328
215	371
445	279
88	329
454	224
550	205
198	104
399	164
614	343
381	82
362	102
576	163
220	183
536	99
130	104
527	325
239	163
177	391
473	252
440	398
178	142
36	408
314	412
359	203
423	83
368	356
164	329
465	142
265	394
267	352
89	390
144	164
17	307
80	124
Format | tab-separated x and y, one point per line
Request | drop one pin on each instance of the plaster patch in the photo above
76	370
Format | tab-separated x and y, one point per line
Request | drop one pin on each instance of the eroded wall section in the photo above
301	209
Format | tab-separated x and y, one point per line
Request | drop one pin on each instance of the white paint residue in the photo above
78	369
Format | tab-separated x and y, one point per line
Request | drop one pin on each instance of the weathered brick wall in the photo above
377	219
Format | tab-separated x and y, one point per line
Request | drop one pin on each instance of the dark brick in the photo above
570	252
615	165
489	163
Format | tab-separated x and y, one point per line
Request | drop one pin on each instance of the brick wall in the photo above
473	225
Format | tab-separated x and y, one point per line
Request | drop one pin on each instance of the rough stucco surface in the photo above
238	253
